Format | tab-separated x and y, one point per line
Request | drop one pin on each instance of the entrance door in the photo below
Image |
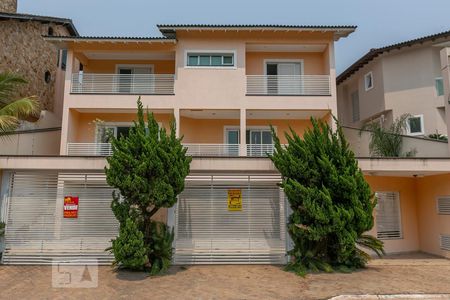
232	139
210	230
284	78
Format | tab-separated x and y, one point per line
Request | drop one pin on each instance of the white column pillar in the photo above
176	115
333	103
242	133
66	98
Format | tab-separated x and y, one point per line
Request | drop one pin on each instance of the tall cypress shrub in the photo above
332	204
148	168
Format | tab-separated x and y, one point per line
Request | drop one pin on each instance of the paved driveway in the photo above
401	274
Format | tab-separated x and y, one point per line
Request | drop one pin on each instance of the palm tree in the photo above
388	141
12	111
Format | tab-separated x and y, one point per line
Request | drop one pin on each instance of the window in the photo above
47	77
50	31
443	205
414	125
445	242
210	59
388	216
63	59
355	106
439	82
368	81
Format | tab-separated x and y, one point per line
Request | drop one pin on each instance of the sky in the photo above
380	22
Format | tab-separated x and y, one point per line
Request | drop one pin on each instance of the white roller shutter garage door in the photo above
210	231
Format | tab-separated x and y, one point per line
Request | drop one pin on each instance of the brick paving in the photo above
406	274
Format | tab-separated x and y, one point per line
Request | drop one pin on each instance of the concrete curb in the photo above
393	296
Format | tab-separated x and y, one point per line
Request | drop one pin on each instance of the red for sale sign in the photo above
70	207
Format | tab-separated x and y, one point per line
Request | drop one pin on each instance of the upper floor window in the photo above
210	60
368	81
439	82
355	106
414	125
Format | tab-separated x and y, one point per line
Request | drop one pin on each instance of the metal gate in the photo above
208	232
38	233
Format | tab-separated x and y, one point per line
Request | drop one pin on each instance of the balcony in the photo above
215	150
289	85
126	84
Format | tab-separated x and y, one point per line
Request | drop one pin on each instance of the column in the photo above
66	96
333	104
242	133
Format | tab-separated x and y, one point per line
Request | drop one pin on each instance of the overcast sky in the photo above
380	22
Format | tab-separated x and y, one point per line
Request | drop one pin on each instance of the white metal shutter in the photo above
208	233
36	230
443	205
388	216
445	242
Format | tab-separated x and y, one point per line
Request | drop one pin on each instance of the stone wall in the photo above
25	52
9	6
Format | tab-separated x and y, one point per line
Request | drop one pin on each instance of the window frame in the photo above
211	53
114	125
358	119
400	221
441	79
367	88
422	125
247	128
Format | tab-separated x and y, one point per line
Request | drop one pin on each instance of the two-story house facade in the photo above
403	78
224	86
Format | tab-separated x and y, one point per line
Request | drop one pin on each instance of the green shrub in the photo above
128	248
331	202
148	168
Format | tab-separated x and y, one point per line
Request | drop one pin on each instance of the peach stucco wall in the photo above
193	130
406	187
109	66
431	224
212	131
84	128
314	63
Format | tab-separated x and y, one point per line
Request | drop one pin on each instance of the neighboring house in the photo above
224	85
387	82
24	51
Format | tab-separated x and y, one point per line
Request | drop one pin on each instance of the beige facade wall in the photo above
409	80
404	83
359	143
371	102
406	187
33	143
445	69
25	52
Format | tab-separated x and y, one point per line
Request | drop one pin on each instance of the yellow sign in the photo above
234	200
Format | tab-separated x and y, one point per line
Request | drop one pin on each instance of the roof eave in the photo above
62	42
340	31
